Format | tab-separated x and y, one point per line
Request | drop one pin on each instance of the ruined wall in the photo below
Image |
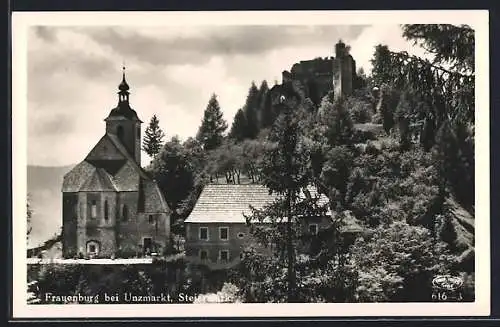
315	78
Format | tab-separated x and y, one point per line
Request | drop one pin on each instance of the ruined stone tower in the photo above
344	69
315	78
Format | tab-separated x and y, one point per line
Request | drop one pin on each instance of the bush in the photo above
359	110
360	136
377	118
397	263
228	294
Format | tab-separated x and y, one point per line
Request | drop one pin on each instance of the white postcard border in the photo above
21	21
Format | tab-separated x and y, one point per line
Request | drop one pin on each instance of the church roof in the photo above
128	156
100	181
110	167
155	201
123	86
123	110
229	203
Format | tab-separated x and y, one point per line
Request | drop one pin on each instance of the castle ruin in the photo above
315	78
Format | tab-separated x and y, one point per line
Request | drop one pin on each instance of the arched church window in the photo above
106	210
119	132
93	209
124	213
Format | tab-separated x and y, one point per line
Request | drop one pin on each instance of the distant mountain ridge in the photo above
44	189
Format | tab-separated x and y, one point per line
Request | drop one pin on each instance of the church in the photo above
111	207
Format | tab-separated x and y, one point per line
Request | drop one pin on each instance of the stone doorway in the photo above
93	249
147	245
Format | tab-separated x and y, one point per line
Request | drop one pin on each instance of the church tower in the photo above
124	122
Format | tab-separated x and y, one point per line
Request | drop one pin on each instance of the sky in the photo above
74	71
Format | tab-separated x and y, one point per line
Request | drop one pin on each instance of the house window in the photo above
224	255
313	229
124	213
93	209
241	235
204	233
224	233
151	219
203	255
106	210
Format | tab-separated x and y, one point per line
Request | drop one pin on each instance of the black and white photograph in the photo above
266	159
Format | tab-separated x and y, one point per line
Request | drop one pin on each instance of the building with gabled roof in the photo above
111	207
217	230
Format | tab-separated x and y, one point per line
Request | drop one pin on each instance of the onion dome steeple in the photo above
123	108
123	87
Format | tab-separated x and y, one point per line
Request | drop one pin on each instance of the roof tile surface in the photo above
229	203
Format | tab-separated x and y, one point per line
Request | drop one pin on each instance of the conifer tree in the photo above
213	125
267	112
446	84
251	112
153	139
285	173
263	90
239	126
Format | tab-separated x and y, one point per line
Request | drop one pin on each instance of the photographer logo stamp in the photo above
447	288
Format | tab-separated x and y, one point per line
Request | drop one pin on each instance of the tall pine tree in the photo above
153	140
263	90
251	112
267	112
213	125
239	126
285	173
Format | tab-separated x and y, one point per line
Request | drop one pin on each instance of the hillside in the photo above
44	187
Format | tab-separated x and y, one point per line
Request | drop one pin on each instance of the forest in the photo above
397	154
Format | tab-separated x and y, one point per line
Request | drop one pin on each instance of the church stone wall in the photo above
157	227
128	240
94	212
82	222
70	224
